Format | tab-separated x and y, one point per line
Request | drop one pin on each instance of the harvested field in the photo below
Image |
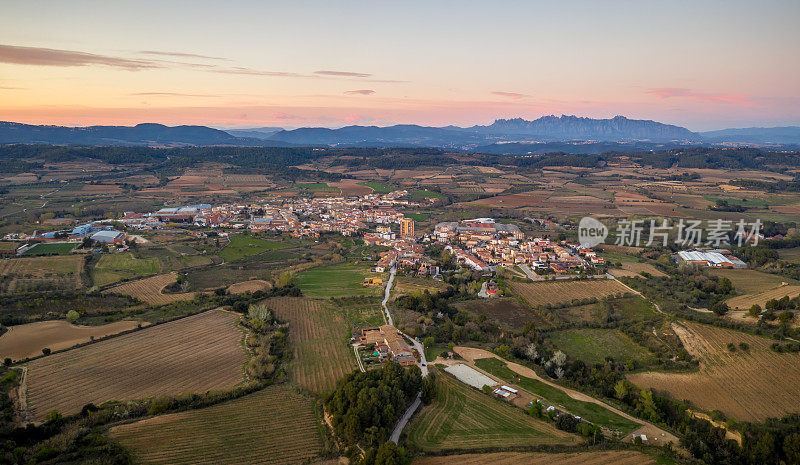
635	269
744	302
150	290
193	354
407	285
318	334
28	340
32	274
751	281
746	385
517	458
464	418
252	285
559	292
251	429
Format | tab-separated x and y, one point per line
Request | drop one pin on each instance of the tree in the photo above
46	351
785	316
621	390
791	448
390	454
531	352
754	311
428	341
720	308
73	316
566	422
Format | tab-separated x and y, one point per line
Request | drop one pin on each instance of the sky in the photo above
699	64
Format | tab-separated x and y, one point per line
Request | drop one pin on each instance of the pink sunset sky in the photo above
703	65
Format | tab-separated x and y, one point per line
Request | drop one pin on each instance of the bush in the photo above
72	316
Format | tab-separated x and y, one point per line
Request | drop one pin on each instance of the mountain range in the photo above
548	133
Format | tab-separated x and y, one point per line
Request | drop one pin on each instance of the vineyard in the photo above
273	426
748	385
560	292
150	290
318	334
193	354
463	418
41	273
517	458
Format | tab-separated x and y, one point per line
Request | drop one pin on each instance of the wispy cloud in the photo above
53	57
360	92
342	74
511	95
171	94
256	72
702	97
181	55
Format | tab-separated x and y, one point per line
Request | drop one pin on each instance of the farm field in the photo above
751	281
251	285
339	280
53	248
193	354
118	266
559	292
409	284
595	345
32	274
744	302
244	246
504	310
517	458
747	385
251	429
635	269
464	418
28	340
150	290
790	255
593	412
318	335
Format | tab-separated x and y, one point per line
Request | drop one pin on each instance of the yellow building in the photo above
407	227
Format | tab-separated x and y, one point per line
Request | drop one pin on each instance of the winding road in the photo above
422	364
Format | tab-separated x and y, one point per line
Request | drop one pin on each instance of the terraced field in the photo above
517	458
318	334
274	426
150	290
193	354
744	302
559	292
747	385
463	418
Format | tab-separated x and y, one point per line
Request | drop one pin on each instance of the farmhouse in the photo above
389	344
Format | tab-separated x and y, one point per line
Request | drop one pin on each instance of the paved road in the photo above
422	364
527	270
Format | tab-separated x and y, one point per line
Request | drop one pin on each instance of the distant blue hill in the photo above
788	135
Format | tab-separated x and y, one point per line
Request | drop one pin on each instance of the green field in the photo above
595	345
118	266
418	216
275	426
464	418
317	187
52	248
424	194
740	201
245	245
9	246
378	187
336	281
594	413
